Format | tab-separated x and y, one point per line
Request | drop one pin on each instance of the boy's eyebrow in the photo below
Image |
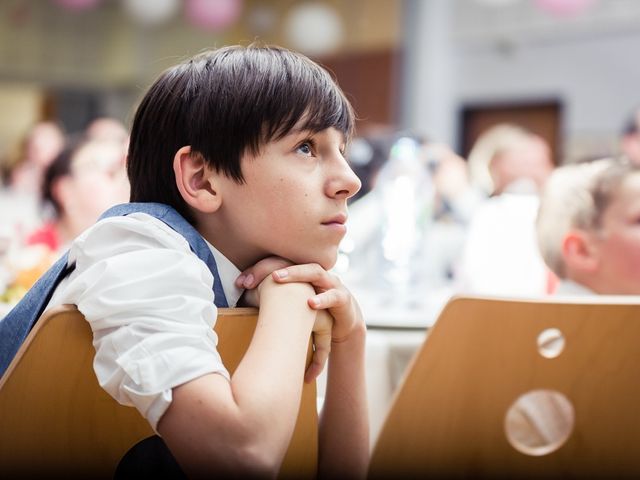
309	131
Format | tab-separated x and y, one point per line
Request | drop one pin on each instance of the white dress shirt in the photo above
150	304
501	255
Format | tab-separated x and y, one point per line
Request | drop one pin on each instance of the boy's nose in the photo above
345	184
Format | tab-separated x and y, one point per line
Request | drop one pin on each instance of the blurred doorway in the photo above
542	118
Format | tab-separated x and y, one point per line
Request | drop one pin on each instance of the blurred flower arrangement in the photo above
20	268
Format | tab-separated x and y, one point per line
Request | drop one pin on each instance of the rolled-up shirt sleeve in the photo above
150	304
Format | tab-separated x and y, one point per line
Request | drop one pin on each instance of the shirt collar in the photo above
228	273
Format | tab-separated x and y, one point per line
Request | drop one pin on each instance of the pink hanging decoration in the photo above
564	8
213	14
77	5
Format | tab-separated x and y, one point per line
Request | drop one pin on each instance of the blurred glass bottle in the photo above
406	201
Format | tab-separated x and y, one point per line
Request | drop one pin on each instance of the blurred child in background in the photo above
588	227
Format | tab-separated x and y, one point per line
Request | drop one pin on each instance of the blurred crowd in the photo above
54	185
508	220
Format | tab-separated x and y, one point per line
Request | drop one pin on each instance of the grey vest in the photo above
15	327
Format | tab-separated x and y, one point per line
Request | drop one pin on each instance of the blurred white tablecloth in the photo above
394	335
396	329
379	311
388	353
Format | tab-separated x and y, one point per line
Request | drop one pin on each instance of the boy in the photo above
588	227
247	145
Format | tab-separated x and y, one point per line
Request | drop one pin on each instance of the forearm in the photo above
267	385
244	426
344	425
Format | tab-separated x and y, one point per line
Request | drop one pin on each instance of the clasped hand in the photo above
338	312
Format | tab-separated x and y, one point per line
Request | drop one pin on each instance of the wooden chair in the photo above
448	416
55	419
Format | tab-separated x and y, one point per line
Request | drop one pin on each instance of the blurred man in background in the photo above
500	255
631	138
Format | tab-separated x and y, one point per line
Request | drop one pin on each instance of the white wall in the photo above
596	79
588	62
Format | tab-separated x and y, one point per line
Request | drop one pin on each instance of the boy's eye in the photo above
305	148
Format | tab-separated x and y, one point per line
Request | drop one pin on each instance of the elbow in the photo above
253	455
259	451
259	461
233	461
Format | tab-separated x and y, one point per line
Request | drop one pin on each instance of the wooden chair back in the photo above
448	417
55	418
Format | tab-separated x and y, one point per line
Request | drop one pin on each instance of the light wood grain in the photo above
447	418
55	418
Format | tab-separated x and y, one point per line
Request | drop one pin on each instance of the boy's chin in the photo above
325	261
329	265
329	260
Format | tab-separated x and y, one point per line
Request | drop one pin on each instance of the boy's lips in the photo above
337	223
339	219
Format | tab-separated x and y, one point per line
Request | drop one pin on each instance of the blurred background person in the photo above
630	141
588	227
500	255
107	128
23	169
34	154
509	158
84	180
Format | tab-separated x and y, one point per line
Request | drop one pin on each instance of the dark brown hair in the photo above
223	103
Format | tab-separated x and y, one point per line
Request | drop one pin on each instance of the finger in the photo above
334	298
322	348
252	276
311	273
313	372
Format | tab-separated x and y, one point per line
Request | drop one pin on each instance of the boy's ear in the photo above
580	252
196	181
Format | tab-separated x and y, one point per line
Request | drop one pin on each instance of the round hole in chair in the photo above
551	343
539	422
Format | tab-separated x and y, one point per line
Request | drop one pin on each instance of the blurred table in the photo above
417	313
388	355
394	334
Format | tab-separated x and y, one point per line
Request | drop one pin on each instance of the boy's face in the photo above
618	241
293	203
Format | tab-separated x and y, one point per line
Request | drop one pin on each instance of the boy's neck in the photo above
219	237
